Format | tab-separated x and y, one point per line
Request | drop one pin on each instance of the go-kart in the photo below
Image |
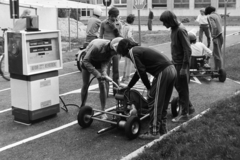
197	69
131	108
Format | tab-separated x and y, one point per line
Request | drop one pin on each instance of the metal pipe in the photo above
106	1
139	27
225	23
145	116
69	30
77	22
35	11
13	12
107	121
111	113
106	129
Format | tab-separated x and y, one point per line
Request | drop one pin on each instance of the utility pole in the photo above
225	25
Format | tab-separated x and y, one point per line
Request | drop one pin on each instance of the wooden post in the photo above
77	23
106	12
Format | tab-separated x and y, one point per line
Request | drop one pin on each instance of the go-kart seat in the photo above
196	62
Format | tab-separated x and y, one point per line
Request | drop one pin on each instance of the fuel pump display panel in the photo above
42	50
38	52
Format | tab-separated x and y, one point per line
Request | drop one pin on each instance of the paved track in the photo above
61	137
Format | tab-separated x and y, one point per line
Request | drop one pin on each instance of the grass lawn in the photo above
232	62
204	139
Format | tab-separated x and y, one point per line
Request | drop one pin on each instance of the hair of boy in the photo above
209	10
113	12
193	41
130	18
114	43
192	38
124	45
170	18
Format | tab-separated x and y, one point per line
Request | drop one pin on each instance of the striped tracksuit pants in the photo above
158	100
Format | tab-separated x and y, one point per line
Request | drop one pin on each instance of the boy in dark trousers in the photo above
148	60
215	25
181	52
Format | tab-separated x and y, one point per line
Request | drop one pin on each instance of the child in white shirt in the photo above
203	26
199	49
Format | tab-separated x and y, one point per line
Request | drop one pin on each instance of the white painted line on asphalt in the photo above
45	133
196	80
92	87
69	62
62	75
6	110
4	89
234	81
140	150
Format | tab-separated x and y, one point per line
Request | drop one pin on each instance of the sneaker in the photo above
206	66
181	118
149	136
191	111
104	117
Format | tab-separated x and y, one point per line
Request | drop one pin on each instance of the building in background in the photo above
179	7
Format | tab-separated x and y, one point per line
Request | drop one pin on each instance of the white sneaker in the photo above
104	116
206	66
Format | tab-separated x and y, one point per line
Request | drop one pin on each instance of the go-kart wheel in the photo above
132	127
175	108
84	116
222	75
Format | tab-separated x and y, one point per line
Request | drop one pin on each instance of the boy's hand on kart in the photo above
124	89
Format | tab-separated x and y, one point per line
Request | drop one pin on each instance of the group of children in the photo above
116	40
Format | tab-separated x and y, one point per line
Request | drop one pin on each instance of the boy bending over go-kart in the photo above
98	54
148	60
